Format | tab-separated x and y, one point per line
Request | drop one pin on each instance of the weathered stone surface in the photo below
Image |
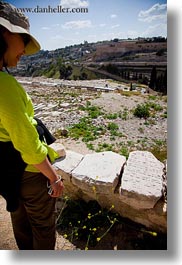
64	167
65	105
59	148
98	172
153	218
66	164
95	176
141	183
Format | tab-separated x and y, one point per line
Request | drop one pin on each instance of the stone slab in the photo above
59	148
99	172
141	183
68	163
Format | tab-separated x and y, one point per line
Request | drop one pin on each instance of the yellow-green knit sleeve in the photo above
16	121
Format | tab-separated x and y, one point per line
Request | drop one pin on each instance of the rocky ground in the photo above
60	106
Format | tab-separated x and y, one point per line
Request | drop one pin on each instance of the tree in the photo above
158	82
153	78
83	76
116	40
131	86
65	71
165	82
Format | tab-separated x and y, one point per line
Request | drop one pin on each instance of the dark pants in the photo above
34	221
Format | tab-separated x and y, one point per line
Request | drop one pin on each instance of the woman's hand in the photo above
56	188
55	184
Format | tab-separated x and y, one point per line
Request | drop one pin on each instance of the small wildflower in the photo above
112	206
65	235
86	248
94	229
98	239
153	233
84	227
89	216
149	232
78	222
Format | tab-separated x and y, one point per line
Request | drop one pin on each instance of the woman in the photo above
25	160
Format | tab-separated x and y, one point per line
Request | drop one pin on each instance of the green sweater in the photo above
18	125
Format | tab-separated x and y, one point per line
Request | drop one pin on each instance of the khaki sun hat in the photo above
16	22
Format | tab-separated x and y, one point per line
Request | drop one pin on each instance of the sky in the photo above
93	20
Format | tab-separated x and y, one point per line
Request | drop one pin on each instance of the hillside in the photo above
126	59
128	51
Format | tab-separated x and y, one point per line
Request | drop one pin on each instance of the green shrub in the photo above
124	151
142	111
155	106
111	116
112	126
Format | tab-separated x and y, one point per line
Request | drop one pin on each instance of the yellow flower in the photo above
149	232
153	233
94	229
65	235
98	239
84	227
89	216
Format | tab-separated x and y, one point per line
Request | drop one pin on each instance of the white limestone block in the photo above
141	183
69	162
59	148
99	172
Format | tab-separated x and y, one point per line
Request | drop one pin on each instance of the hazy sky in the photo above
104	20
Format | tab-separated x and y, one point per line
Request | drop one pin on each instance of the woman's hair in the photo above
3	44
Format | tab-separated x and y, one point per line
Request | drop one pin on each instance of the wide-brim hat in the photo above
16	22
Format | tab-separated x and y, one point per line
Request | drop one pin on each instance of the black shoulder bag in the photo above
12	168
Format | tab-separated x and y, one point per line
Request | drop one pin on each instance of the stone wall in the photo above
133	186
